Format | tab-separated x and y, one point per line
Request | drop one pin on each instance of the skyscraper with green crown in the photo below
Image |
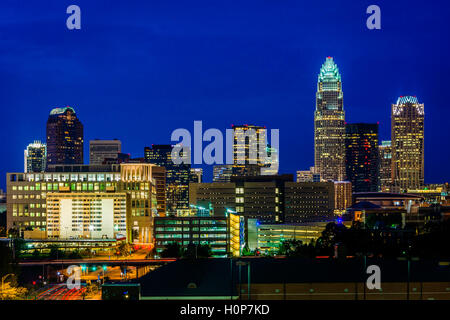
329	124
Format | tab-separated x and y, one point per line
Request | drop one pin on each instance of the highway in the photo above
60	292
96	261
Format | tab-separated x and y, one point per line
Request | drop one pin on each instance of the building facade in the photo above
104	150
269	199
361	156
385	158
308	202
407	125
86	215
28	193
196	175
223	234
177	177
35	157
308	175
64	137
222	173
329	124
343	197
271	163
249	149
268	237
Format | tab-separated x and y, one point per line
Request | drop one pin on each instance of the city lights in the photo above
200	157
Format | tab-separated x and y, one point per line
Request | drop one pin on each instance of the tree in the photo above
204	251
2	231
247	252
36	254
191	251
18	246
291	248
13	233
11	292
75	254
86	253
194	251
124	249
6	260
55	253
172	250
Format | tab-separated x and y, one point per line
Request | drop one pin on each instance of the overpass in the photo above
109	262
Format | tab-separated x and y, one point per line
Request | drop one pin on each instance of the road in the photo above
60	292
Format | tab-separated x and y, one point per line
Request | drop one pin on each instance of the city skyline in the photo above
279	95
230	153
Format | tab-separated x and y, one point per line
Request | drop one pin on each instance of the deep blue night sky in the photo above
137	70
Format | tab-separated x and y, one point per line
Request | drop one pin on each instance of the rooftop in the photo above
329	71
385	195
61	110
407	99
219	277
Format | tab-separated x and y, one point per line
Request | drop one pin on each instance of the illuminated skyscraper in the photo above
342	195
361	156
64	137
178	177
407	125
196	175
248	146
35	157
329	124
385	156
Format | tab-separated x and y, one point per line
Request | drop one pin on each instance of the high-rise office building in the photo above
196	175
385	158
101	151
177	177
249	149
407	125
361	156
342	195
29	193
329	124
35	157
222	172
64	137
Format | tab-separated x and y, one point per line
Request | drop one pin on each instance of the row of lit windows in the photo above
32	223
202	229
195	235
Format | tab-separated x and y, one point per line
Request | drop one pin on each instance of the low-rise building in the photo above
268	237
223	234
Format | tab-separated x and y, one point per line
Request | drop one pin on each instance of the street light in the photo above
3	280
